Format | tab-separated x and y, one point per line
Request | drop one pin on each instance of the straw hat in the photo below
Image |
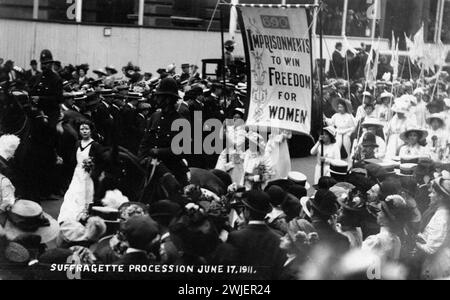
406	170
436	116
370	122
27	217
422	133
347	104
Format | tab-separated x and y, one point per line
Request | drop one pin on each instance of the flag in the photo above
394	57
372	64
417	49
346	47
233	19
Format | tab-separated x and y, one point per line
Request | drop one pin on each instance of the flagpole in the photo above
322	163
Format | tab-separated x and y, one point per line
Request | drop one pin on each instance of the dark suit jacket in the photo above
337	67
338	242
159	136
259	246
103	121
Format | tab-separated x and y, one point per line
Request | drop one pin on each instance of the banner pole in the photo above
222	38
322	163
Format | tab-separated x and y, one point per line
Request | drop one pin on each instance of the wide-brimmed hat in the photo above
386	95
168	86
406	170
422	133
164	208
436	116
442	184
367	94
27	217
331	130
299	178
342	191
46	57
396	209
111	68
400	107
325	202
139	231
325	182
100	72
347	104
257	201
371	122
306	206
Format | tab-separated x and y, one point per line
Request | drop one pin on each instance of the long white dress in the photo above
81	190
330	152
394	128
277	149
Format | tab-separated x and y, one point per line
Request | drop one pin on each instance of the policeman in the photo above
156	147
47	93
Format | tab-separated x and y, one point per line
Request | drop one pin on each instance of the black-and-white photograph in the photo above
224	140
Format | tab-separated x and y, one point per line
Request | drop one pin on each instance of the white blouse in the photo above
413	151
385	244
344	123
435	233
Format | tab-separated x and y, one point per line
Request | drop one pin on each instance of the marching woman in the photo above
433	244
437	136
81	190
258	168
330	152
278	150
396	126
414	146
344	122
383	110
232	157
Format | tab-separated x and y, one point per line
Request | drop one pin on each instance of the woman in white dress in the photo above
396	126
434	242
437	136
232	157
414	139
277	149
81	190
383	111
344	122
258	168
392	218
330	152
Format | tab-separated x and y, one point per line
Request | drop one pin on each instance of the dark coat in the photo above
104	122
131	133
329	236
49	88
337	65
259	246
159	136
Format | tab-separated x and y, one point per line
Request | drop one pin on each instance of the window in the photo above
358	23
332	17
21	9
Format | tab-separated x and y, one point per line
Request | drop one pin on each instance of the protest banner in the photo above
279	51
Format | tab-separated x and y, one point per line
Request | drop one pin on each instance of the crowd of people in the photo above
378	206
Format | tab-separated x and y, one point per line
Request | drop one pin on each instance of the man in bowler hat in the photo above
257	244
